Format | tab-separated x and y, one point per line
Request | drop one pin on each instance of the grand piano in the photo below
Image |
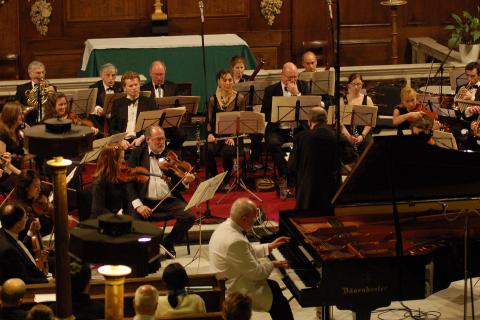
397	234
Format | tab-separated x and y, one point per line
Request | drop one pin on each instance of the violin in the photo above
79	121
41	256
129	174
173	163
41	206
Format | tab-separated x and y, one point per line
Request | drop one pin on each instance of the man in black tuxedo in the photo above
16	261
11	296
145	196
125	110
314	160
36	73
277	134
107	84
159	88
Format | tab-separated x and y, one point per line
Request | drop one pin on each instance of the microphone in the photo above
329	3
200	5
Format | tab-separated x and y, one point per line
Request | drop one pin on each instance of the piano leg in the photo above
362	314
323	313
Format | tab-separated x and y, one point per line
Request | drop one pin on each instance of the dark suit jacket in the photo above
275	90
117	87
119	117
140	157
108	197
314	159
169	89
12	313
14	263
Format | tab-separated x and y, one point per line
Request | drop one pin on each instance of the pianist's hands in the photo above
278	242
281	264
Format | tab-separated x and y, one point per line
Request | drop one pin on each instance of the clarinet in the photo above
198	144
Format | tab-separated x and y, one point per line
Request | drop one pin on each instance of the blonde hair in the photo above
407	92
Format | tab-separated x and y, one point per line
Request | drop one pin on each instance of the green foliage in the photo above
465	30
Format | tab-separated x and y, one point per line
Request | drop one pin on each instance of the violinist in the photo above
11	134
109	192
60	111
146	196
409	110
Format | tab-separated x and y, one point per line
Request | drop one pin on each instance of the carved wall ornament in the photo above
269	9
40	12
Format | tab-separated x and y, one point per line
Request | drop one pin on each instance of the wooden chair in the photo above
319	47
9	69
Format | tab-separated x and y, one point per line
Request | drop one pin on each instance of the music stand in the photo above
345	115
166	118
189	102
320	82
237	123
98	144
82	100
293	109
444	139
252	92
108	101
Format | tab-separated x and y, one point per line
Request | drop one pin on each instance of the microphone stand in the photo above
207	214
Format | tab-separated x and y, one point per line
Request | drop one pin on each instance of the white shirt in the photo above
158	91
132	118
157	187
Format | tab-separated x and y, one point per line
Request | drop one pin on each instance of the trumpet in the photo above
40	91
458	106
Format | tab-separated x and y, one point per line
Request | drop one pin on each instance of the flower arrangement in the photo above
41	12
270	8
466	29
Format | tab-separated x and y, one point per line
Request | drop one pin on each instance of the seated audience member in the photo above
159	88
233	257
225	99
309	61
11	295
40	312
238	66
109	193
16	261
178	301
424	127
125	110
145	302
237	306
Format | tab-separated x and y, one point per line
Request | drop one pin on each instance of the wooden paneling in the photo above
9	21
212	8
354	52
116	10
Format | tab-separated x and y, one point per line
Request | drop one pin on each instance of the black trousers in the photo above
275	137
227	152
280	309
171	208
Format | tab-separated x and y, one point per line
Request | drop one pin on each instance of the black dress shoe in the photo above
170	250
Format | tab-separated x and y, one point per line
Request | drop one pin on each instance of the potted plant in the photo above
465	34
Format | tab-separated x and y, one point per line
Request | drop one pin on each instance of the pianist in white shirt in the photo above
240	263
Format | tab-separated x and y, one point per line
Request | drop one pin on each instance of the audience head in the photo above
237	306
309	61
176	279
28	185
11	116
158	71
108	73
145	300
80	275
355	83
40	312
108	162
36	71
238	65
472	70
155	136
289	73
131	84
12	292
317	115
244	213
13	218
408	96
225	80
422	125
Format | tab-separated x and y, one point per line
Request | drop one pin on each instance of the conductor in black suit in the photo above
277	134
125	110
16	261
36	73
159	88
145	196
108	73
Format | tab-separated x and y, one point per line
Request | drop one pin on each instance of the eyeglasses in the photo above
357	84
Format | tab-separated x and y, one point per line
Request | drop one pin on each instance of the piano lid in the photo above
419	172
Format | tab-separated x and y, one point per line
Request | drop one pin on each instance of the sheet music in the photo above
283	108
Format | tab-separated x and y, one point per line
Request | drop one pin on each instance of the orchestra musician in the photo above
314	160
359	136
27	93
109	193
11	133
409	110
238	66
158	191
159	88
233	257
60	111
277	134
125	110
309	61
225	99
470	92
16	261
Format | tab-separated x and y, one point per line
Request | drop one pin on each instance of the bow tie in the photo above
475	86
110	88
132	101
156	155
158	86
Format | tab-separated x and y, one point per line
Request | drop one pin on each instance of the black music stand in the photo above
189	102
293	109
166	118
108	102
320	82
252	92
237	123
82	101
